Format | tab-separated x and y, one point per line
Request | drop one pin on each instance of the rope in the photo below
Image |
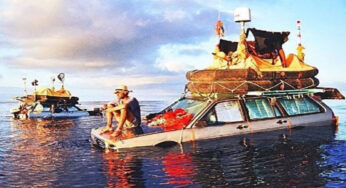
240	85
268	89
312	85
212	91
288	84
232	90
224	87
181	136
257	85
193	85
191	73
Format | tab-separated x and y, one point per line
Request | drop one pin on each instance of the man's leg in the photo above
126	118
117	116
109	117
124	115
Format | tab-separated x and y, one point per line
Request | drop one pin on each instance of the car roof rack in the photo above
322	92
284	92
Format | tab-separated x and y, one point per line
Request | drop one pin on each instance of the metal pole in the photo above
299	35
25	91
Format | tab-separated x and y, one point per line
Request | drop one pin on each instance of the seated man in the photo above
127	114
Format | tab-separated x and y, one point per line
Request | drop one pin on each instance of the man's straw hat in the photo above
121	88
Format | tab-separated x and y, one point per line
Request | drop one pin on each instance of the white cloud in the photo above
111	81
184	57
171	16
93	34
54	64
142	22
59	30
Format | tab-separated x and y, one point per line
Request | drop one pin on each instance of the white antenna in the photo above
299	35
300	47
218	11
25	91
53	80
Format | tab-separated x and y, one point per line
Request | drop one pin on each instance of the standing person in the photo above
127	113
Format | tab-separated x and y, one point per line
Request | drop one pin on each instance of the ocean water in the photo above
58	153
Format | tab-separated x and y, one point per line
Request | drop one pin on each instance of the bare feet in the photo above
116	133
106	129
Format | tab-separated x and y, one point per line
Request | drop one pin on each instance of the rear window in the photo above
259	109
296	106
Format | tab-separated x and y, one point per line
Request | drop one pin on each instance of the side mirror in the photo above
201	123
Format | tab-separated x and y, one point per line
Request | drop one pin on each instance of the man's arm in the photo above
116	108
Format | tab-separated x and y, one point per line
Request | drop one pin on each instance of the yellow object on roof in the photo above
49	92
43	91
293	62
259	64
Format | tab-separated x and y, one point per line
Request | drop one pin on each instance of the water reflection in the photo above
32	159
279	159
123	170
57	153
178	168
266	160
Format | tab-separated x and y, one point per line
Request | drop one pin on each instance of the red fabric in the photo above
174	120
219	28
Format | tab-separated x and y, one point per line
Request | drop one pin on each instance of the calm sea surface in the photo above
58	153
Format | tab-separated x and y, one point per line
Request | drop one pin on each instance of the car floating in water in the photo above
251	86
227	116
47	103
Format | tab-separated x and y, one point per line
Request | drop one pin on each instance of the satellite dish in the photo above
242	14
34	83
61	77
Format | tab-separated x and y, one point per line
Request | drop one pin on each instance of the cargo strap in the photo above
312	85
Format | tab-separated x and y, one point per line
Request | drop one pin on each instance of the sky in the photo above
150	45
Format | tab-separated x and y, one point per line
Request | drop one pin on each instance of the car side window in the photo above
210	118
259	109
224	112
296	106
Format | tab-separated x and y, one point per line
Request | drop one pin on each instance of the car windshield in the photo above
190	105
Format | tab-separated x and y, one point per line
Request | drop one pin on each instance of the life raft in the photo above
243	86
211	75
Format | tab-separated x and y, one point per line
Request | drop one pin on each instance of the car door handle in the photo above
242	127
281	121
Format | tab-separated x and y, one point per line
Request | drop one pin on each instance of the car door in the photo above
223	118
